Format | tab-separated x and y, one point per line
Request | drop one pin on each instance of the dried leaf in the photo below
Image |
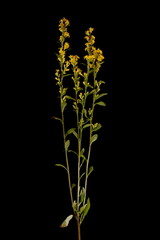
66	221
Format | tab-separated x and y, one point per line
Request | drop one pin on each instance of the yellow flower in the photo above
66	34
63	23
61	57
57	73
100	58
66	45
89	31
61	38
61	52
90	40
57	76
89	58
98	54
74	60
66	66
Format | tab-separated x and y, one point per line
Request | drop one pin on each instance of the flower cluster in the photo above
94	56
74	60
63	28
64	45
90	40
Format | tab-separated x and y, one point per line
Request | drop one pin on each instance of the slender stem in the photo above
67	162
64	138
90	135
79	150
87	164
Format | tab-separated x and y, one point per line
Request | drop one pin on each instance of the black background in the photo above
38	199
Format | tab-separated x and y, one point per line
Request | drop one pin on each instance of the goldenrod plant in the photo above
86	96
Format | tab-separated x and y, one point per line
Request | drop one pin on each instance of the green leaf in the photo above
85	112
101	82
56	118
86	209
101	95
82	175
82	208
64	104
97	128
66	221
86	125
69	74
64	90
70	131
82	194
94	138
90	170
83	159
71	98
74	206
57	55
73	185
75	134
101	104
61	165
82	151
91	92
67	143
73	152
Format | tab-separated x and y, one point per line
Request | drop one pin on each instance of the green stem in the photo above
79	150
67	162
64	138
90	135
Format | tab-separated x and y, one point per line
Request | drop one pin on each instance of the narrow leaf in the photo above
82	151
66	221
86	125
83	160
74	206
101	104
64	104
71	98
67	143
56	118
91	92
101	82
82	194
94	138
66	75
85	112
73	185
97	128
83	175
60	165
75	134
73	152
90	170
82	208
101	95
70	131
86	209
